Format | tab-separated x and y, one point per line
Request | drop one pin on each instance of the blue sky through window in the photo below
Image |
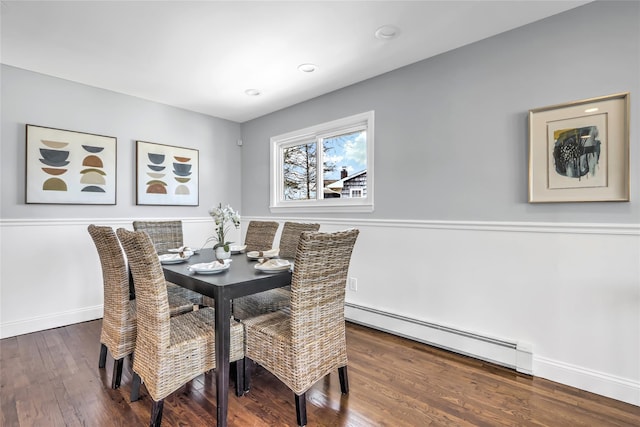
348	150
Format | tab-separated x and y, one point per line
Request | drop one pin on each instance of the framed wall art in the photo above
166	175
69	167
579	151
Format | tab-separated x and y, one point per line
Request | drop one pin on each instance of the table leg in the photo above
223	343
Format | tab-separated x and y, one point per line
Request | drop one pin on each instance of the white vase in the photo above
222	254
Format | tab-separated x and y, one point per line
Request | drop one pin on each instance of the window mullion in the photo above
320	168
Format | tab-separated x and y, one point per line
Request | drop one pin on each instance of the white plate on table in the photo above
186	249
174	258
264	254
236	249
273	266
210	267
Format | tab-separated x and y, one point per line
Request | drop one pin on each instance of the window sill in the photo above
322	208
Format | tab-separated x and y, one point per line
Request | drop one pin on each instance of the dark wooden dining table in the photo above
239	280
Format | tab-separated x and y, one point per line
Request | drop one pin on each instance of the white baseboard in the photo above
55	320
516	355
595	382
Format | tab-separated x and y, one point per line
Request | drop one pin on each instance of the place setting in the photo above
274	265
237	249
214	267
176	257
257	255
185	249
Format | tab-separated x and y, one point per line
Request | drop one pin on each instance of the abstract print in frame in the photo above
579	151
69	167
166	175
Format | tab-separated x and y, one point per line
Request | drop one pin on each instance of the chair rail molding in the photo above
526	227
533	227
124	222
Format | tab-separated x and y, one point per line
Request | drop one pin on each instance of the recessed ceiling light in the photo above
252	92
386	32
307	68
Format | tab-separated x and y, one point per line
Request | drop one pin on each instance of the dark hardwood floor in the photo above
51	378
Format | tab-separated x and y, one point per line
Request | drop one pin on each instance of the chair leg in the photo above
301	409
117	373
103	356
240	373
135	387
156	413
248	370
344	380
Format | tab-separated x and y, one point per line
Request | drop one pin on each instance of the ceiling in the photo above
203	55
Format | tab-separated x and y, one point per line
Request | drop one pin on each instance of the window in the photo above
327	167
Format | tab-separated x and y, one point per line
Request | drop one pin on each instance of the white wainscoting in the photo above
560	301
51	273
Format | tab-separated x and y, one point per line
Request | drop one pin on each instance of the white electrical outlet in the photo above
353	284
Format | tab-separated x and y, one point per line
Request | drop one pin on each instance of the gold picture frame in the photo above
579	151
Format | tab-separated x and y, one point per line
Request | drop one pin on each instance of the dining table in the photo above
240	279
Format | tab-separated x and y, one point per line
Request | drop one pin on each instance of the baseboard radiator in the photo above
516	355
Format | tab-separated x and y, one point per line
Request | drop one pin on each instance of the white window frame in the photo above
362	121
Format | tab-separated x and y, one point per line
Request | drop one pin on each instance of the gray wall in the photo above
32	98
452	131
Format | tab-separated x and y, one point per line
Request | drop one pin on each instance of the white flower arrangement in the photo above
223	217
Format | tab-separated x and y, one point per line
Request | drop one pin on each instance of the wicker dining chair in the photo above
259	237
306	342
291	234
118	333
275	299
170	352
167	235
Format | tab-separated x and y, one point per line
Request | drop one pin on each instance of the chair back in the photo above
260	235
165	235
291	235
118	330
318	291
151	292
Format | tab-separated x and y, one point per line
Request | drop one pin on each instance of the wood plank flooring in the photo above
51	378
